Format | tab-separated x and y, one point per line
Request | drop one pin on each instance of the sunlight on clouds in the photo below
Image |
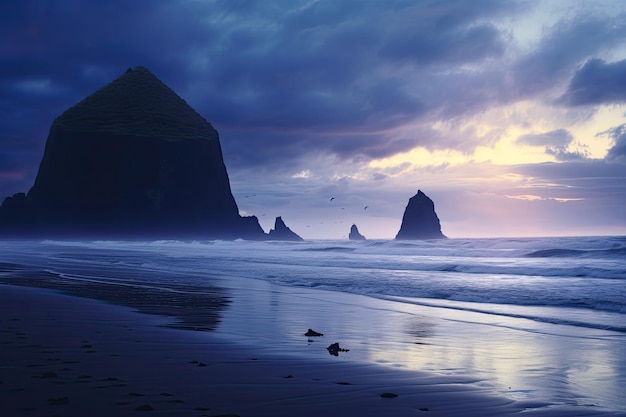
528	197
504	152
302	174
565	200
420	157
586	132
496	132
507	152
531	197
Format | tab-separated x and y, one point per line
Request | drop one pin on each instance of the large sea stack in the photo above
132	159
420	220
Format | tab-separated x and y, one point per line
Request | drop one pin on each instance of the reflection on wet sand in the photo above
193	308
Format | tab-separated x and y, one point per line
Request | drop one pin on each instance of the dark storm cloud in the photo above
287	80
324	78
565	45
597	82
275	78
442	42
327	66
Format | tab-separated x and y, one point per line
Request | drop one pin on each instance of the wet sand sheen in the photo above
67	355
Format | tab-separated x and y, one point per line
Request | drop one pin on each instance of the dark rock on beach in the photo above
334	349
313	333
282	232
354	234
131	159
420	220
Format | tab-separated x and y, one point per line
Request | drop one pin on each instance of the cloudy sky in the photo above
510	115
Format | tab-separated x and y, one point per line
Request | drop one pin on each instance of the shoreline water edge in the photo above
520	357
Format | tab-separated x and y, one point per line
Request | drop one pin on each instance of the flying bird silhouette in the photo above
332	198
365	208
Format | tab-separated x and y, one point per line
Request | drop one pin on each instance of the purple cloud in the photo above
597	82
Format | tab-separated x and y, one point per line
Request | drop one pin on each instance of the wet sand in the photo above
72	356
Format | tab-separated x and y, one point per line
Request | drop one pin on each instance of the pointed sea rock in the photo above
420	220
282	232
354	233
132	159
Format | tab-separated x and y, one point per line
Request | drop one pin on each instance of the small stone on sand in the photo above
334	349
313	333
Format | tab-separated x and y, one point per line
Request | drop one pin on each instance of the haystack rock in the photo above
354	233
131	159
282	232
420	220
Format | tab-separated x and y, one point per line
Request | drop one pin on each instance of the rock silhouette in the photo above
334	349
420	220
313	333
131	159
354	233
282	232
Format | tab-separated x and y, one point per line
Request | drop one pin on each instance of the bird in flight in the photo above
365	208
332	198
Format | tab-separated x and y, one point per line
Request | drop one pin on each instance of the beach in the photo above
66	356
115	329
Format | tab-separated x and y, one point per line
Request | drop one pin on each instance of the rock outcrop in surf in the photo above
420	220
354	233
131	159
282	232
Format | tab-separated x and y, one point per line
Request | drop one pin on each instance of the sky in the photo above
509	115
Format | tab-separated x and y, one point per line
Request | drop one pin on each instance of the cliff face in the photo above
132	158
354	233
282	232
420	220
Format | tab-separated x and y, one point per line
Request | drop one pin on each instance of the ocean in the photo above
531	318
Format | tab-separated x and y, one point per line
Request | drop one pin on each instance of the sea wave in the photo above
587	274
559	252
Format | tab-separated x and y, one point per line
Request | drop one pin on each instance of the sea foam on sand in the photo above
64	355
